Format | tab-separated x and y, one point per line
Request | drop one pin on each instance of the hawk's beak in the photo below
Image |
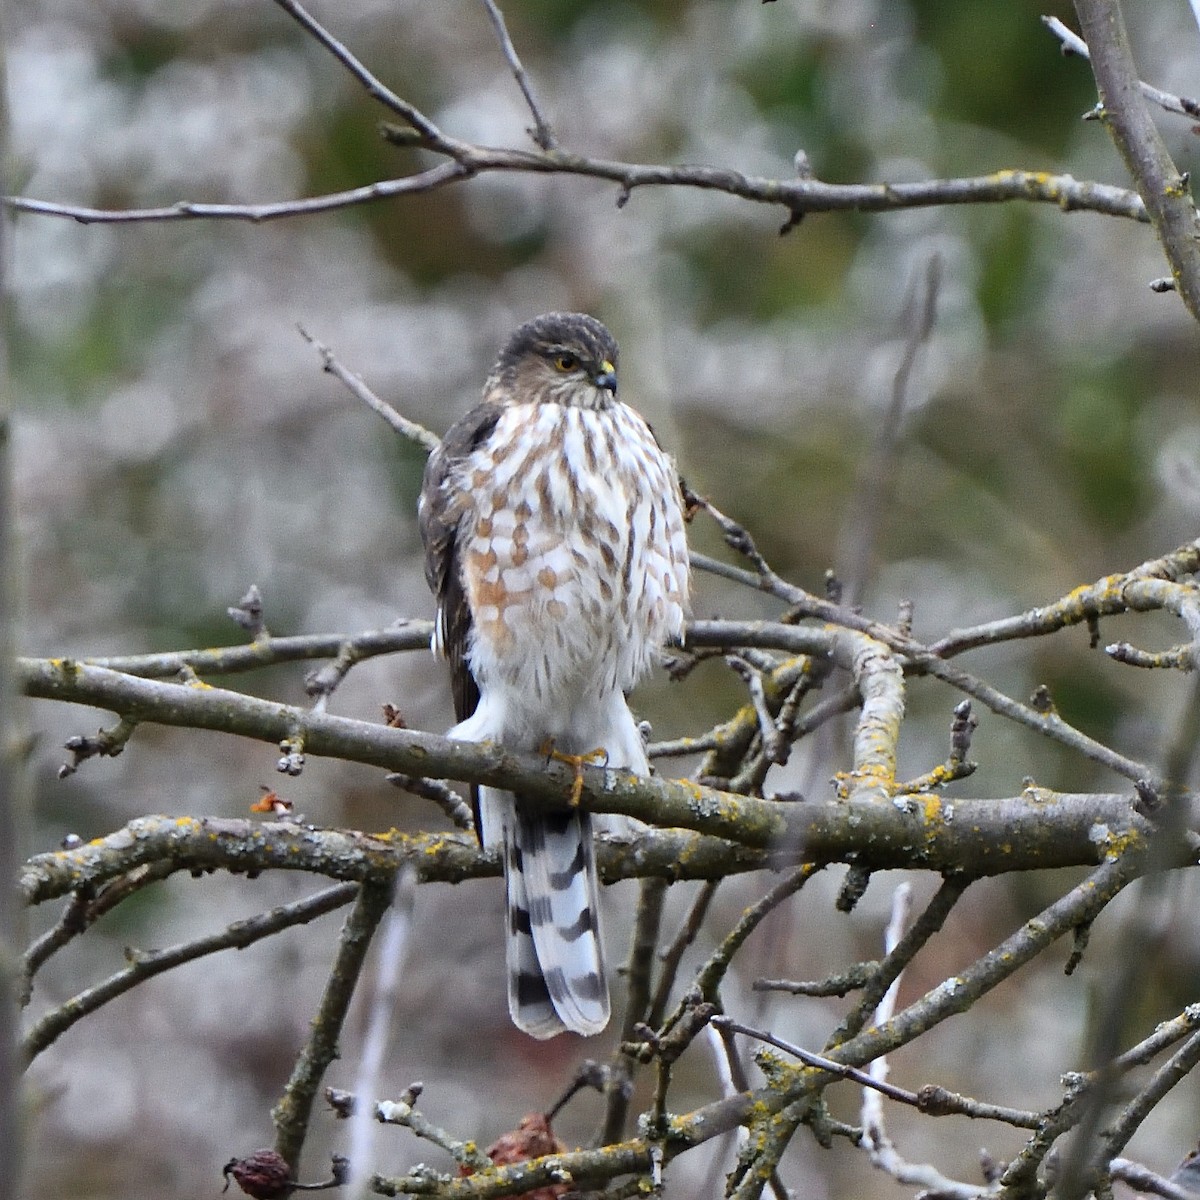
606	378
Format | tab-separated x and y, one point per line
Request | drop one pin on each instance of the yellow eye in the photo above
566	362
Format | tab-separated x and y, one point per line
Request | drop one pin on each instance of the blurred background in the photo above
177	441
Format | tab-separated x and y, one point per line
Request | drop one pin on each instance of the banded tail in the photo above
556	978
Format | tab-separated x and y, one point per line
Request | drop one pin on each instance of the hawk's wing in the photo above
439	515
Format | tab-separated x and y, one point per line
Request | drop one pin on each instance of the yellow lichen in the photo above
1120	841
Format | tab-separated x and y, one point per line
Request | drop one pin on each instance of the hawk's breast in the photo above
572	551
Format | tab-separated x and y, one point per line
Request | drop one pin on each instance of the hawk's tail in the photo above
556	975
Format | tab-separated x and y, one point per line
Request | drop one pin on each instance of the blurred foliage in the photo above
994	70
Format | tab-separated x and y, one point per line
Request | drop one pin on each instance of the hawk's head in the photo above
558	358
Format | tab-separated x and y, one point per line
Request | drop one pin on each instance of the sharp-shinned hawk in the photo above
555	546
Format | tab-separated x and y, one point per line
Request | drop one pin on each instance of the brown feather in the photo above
438	519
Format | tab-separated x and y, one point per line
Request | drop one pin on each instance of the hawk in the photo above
554	544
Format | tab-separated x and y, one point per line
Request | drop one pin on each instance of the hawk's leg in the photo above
597	757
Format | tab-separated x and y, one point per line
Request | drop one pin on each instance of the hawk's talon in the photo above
597	757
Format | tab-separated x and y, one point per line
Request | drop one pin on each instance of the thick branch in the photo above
1029	832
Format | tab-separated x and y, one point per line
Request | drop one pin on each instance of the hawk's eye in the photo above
565	361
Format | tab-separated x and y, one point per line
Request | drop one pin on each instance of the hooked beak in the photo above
606	378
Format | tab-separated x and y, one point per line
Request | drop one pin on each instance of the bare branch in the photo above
840	984
1163	189
1164	1035
710	975
231	660
946	842
1142	1179
841	1070
240	845
672	954
1139	1108
444	796
542	134
147	964
393	943
898	958
920	661
1072	43
403	1112
643	942
775	745
1108	596
423	437
84	907
292	1112
191	210
801	196
1082	903
376	89
879	1145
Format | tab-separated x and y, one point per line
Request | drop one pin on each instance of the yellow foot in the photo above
576	762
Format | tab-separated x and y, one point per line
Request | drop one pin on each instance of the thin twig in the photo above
673	954
85	907
880	1148
1072	43
1142	1179
393	944
230	660
1166	1034
375	87
682	746
731	1078
402	1112
800	196
541	133
921	662
423	437
863	1078
147	964
775	746
839	984
710	975
643	941
922	929
736	536
441	793
291	1114
938	1101
1108	596
74	920
1172	1072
